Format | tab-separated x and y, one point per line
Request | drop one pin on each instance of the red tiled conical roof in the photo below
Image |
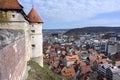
10	4
34	17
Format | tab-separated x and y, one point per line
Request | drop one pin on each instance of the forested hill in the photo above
92	30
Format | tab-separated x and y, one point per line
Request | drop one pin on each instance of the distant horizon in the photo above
79	27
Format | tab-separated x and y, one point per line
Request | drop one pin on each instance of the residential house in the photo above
69	60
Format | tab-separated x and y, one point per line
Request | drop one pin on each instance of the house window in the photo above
33	31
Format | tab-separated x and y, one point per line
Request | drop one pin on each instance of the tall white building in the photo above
113	48
36	36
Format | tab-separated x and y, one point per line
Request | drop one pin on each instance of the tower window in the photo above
13	16
33	31
32	36
33	45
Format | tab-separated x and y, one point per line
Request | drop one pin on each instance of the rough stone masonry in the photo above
12	55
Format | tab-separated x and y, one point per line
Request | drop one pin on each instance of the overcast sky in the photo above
59	14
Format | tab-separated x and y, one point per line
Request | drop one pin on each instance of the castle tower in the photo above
12	17
36	36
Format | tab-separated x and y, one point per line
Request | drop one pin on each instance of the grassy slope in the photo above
38	73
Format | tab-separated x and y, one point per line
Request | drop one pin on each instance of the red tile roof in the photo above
63	52
34	17
73	57
10	4
82	63
85	69
97	57
68	72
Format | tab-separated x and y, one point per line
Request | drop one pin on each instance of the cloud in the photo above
71	10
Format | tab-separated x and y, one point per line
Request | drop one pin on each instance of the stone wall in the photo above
13	60
20	25
8	35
